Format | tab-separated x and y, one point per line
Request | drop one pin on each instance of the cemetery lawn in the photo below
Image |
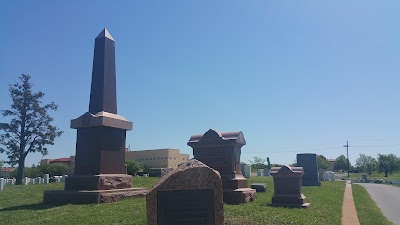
23	205
367	211
395	176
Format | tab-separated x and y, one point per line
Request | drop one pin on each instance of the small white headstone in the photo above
331	176
266	172
46	178
63	178
247	171
2	183
260	172
25	181
326	175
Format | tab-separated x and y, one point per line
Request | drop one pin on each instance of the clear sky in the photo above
293	76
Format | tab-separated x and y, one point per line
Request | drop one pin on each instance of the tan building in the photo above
331	164
158	158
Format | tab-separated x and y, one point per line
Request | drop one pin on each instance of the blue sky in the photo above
293	76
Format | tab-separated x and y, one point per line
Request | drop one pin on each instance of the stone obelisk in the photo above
100	146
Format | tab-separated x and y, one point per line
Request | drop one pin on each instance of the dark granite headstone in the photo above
221	151
100	174
190	194
287	187
260	187
309	163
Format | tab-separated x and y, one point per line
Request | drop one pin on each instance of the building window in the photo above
170	157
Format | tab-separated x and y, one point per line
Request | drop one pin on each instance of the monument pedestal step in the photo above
90	197
98	182
239	196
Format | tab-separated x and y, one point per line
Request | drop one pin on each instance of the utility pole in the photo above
348	161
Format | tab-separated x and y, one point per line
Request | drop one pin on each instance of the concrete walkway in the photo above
387	198
349	213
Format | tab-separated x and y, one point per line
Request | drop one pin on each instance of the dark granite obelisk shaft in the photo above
100	146
103	95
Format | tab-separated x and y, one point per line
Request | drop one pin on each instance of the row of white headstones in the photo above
26	180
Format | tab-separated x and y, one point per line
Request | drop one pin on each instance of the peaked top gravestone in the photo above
99	174
101	149
287	187
221	151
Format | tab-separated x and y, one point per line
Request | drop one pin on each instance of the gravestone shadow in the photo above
37	206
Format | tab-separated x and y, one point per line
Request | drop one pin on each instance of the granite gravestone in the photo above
321	174
190	194
221	151
288	187
309	163
247	171
99	174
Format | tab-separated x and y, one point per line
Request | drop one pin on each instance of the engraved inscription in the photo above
183	207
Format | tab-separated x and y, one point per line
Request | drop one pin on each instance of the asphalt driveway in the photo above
387	198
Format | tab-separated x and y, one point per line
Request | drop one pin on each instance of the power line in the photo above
319	149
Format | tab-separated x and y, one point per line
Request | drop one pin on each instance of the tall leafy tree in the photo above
388	164
132	167
370	167
322	162
30	128
56	169
1	163
258	163
341	163
363	160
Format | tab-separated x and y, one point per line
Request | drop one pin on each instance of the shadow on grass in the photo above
38	206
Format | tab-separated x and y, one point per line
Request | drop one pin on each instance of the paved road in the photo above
387	198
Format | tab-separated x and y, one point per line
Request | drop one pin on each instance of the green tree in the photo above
1	163
258	163
56	169
29	172
388	164
29	129
132	167
146	168
371	166
363	160
341	163
322	162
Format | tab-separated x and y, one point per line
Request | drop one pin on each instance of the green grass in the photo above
23	205
395	176
367	211
326	207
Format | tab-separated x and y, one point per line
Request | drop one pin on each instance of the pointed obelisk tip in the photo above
105	33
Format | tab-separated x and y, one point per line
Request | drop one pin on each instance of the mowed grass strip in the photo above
23	205
394	176
326	206
367	210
